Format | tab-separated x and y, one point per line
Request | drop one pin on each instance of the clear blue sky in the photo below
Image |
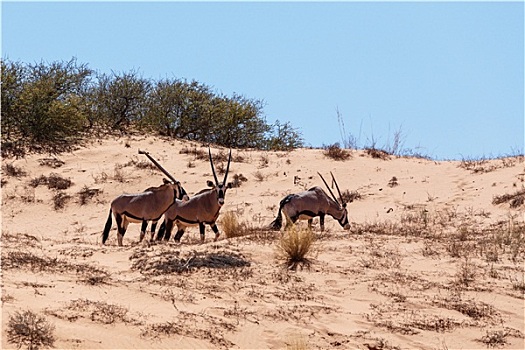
449	74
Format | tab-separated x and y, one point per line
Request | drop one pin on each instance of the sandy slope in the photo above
393	281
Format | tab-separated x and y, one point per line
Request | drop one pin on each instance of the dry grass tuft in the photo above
29	329
141	164
53	181
350	196
51	162
60	199
12	170
231	227
86	194
238	179
466	273
259	176
119	174
494	339
377	153
193	151
335	152
295	246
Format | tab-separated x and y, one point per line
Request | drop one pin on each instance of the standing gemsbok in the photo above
309	204
143	207
201	209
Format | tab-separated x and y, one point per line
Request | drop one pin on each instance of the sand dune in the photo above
430	262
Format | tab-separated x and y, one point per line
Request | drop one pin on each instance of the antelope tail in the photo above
105	234
278	222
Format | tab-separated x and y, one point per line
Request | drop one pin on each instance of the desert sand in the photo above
429	262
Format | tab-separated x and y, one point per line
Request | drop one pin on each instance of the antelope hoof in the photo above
216	237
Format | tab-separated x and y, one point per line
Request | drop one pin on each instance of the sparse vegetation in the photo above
119	174
86	194
466	273
238	179
350	196
30	329
335	152
52	162
60	199
516	200
259	176
12	170
53	181
377	153
493	339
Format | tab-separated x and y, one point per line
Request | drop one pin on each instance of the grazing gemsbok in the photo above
143	207
309	204
201	209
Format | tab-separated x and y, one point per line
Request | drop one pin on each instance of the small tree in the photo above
30	329
118	100
284	138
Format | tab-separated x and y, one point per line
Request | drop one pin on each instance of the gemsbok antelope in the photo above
201	209
309	204
143	207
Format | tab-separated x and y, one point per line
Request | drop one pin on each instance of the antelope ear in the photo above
166	181
210	183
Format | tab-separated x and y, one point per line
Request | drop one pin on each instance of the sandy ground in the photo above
429	262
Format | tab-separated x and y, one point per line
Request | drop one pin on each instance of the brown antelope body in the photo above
309	204
201	209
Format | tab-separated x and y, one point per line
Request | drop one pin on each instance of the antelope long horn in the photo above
158	165
337	186
213	168
326	184
227	167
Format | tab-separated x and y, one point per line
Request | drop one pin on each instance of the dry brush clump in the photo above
238	179
193	151
335	152
52	162
349	196
30	329
231	227
86	194
60	199
12	170
53	181
296	246
377	153
516	200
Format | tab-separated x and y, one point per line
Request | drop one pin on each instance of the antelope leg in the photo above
202	228
216	230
